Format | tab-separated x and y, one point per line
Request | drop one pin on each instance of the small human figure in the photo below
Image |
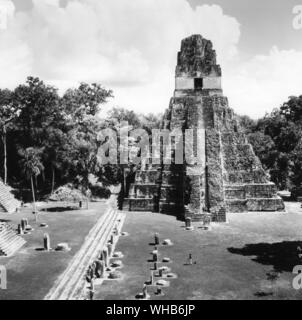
190	260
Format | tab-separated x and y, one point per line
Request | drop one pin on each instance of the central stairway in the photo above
70	285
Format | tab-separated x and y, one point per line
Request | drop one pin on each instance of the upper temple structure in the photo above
228	176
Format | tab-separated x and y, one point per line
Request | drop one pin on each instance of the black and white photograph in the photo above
150	153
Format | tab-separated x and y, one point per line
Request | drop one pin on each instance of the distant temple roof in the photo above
197	58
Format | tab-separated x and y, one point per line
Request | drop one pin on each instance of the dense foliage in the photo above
276	139
49	140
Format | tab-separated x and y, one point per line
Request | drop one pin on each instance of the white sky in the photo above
130	46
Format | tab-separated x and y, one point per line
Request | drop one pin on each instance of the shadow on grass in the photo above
60	209
178	215
283	256
262	294
190	264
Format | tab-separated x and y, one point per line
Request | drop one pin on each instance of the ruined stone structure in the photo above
10	242
228	177
8	203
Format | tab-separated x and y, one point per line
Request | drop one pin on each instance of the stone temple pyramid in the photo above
228	176
8	203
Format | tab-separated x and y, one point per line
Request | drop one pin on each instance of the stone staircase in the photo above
10	242
71	283
144	192
8	204
157	188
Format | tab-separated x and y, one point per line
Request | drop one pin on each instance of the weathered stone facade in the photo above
228	177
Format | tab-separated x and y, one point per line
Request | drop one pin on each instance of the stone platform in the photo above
233	260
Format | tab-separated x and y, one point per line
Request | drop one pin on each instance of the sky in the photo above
130	46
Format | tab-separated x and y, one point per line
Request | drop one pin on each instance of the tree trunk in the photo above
53	180
34	199
4	154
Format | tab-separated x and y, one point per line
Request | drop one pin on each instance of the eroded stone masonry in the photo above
231	177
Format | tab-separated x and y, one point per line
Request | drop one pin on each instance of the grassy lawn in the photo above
31	272
250	257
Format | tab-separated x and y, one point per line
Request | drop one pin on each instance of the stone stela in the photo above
46	242
231	178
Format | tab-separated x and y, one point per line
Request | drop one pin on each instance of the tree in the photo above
119	115
264	148
151	121
54	155
39	109
81	106
247	123
292	109
59	132
84	157
32	167
8	112
84	101
276	139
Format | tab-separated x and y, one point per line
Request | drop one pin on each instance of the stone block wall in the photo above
215	183
247	187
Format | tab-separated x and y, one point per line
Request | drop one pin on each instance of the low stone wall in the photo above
256	204
250	191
